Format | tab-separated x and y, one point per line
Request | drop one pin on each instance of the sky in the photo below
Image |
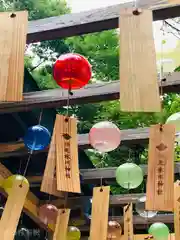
85	5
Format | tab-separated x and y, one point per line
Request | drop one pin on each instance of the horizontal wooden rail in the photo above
90	21
128	137
94	175
115	200
95	92
138	222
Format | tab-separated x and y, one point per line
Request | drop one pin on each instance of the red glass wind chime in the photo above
70	71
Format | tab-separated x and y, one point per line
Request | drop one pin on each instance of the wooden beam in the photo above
138	221
115	200
95	92
90	21
94	175
128	137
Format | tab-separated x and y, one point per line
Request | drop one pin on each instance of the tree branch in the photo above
170	25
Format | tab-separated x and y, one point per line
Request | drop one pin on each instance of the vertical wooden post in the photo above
100	206
160	181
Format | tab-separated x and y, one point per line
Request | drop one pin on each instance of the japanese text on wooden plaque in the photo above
67	166
160	182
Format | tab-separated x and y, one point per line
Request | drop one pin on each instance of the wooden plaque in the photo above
12	211
13	28
49	181
139	90
100	207
61	224
128	222
177	209
67	165
160	180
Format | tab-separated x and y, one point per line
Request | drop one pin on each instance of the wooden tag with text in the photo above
100	209
13	208
49	182
128	222
13	28
177	209
139	91
67	165
160	180
61	224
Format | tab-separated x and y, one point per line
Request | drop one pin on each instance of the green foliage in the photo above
37	9
44	79
102	51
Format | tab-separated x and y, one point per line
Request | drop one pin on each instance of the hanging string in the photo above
162	74
46	235
162	65
26	167
129	156
68	103
65	200
30	153
136	10
135	4
20	165
102	165
13	15
112	213
40	117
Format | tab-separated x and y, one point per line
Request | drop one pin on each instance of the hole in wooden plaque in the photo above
13	15
161	127
137	11
101	190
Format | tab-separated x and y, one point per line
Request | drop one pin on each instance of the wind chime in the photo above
71	72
